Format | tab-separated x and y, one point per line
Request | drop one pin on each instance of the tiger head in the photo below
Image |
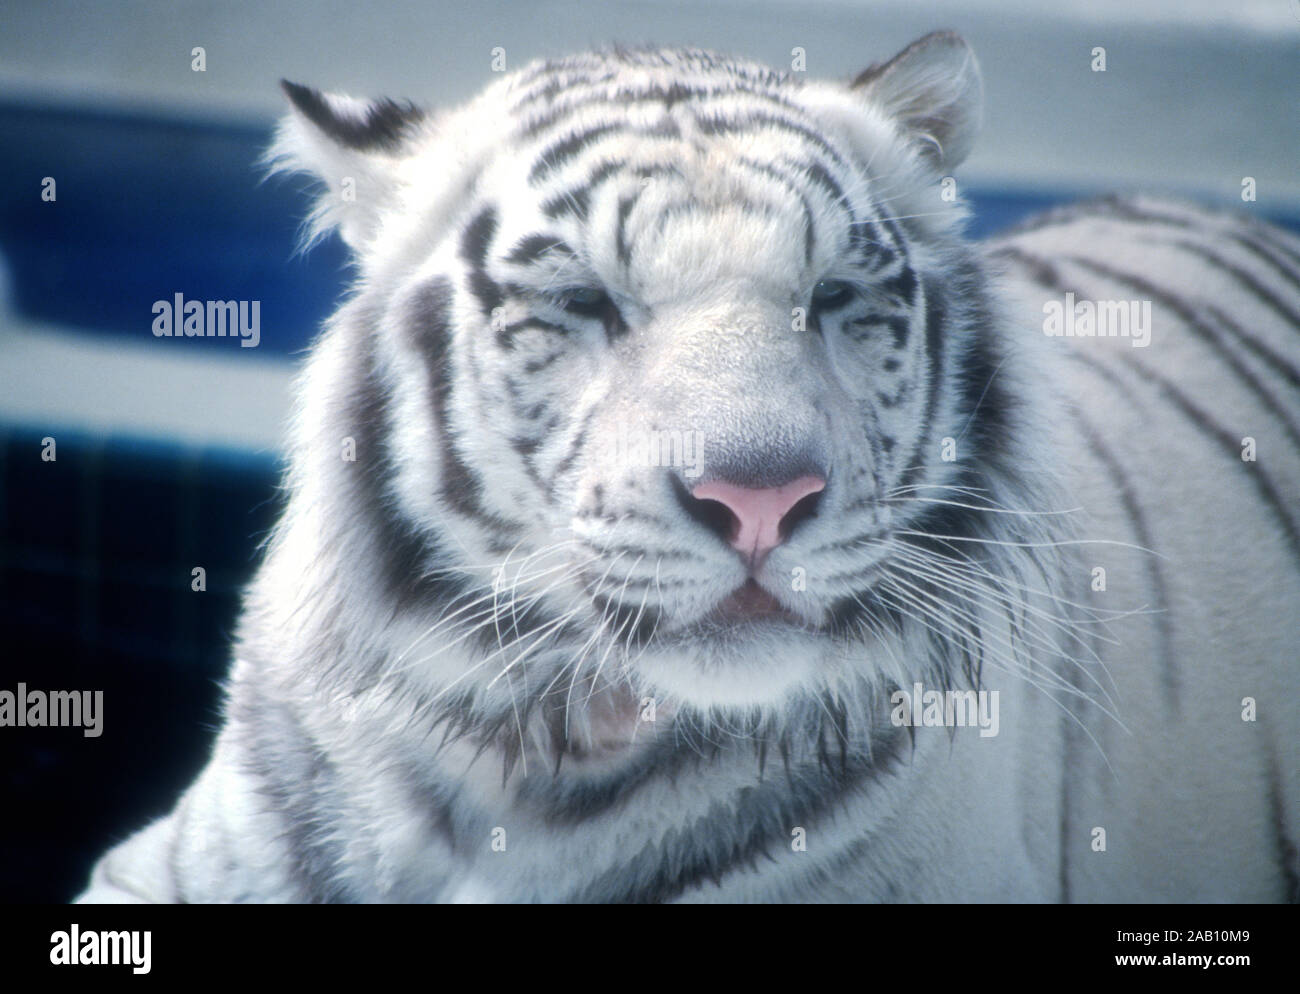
653	365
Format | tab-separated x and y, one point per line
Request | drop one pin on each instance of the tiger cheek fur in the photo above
686	431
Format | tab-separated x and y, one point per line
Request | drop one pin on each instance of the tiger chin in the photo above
675	476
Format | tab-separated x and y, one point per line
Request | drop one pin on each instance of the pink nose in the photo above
756	530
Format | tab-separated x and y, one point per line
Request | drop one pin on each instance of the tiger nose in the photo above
758	520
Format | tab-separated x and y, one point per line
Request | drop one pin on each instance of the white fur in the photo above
1182	791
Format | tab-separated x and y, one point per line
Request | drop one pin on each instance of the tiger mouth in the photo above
750	602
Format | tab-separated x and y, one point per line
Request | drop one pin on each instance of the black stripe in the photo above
1045	274
821	176
1263	351
533	247
936	312
888	402
486	290
612	550
1040	270
1127	493
1263	234
525	448
985	401
537	365
1256	289
1263	483
579	439
477	237
899	326
625	206
558	68
558	153
1064	841
692	208
787	181
902	285
657	169
402	552
732	837
1259	238
475	243
295	777
460	486
441	800
665	127
864	239
1203	331
716	124
384	127
672	94
565	79
526	77
895	232
1202	420
577	200
1284	846
1278	241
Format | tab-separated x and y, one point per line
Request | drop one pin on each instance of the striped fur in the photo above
488	658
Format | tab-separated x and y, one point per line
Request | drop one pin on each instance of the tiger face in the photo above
669	347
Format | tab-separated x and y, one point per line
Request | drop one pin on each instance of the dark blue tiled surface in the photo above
96	553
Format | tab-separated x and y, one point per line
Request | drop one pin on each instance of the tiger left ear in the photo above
351	146
934	91
360	125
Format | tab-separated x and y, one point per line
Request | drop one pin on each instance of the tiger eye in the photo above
831	293
584	300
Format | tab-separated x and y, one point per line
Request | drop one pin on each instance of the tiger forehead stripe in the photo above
560	152
788	182
577	199
559	81
749	120
667	95
548	79
798	174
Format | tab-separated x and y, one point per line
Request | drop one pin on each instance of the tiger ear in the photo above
934	91
351	146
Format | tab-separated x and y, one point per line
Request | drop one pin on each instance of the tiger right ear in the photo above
934	91
351	146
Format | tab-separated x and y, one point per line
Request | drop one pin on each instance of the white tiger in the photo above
673	435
